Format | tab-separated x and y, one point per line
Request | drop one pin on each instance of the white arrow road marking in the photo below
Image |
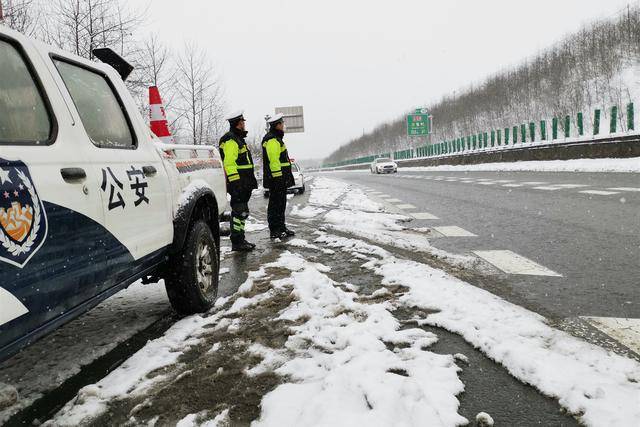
625	331
10	307
423	215
512	263
454	231
405	206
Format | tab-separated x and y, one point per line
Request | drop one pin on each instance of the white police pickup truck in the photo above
90	200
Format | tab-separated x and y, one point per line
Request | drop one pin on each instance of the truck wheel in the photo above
192	283
302	189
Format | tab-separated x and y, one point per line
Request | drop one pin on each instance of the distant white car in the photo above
298	177
384	165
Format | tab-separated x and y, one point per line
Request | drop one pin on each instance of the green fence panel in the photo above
486	139
506	136
580	124
515	134
596	122
532	131
499	136
543	130
493	138
567	126
630	117
613	127
523	133
554	128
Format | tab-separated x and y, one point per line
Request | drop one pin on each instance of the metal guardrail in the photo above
515	138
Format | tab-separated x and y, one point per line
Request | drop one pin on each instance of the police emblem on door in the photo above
23	220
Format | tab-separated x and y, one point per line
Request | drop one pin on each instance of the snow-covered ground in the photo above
345	357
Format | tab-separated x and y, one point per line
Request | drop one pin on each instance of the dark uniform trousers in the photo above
277	207
239	213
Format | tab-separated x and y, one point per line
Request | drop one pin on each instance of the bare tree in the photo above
200	99
80	26
20	15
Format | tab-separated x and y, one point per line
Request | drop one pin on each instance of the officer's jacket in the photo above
237	161
275	160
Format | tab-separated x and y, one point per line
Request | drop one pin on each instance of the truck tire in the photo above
302	190
192	282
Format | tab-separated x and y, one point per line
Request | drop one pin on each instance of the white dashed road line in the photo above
625	331
629	189
512	263
599	192
393	200
423	215
547	188
534	183
405	206
570	185
454	231
513	185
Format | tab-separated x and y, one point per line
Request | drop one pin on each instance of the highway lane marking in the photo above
10	307
534	183
513	185
503	181
405	206
423	215
512	263
454	231
599	192
570	185
625	331
394	200
630	189
547	188
487	183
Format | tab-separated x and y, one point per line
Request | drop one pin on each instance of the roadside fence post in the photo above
554	128
596	122
543	130
614	119
580	124
532	131
630	118
567	126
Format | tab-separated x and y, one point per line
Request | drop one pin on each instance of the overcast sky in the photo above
354	64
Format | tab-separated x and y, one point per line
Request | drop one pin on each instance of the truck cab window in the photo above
24	118
98	105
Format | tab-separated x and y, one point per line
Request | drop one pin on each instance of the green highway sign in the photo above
419	123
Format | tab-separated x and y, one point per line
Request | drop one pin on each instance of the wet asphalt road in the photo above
592	240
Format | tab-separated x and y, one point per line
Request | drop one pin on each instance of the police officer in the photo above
277	176
238	167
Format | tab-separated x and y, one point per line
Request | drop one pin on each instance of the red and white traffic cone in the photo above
157	117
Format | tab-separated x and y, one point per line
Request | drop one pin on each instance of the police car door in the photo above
51	259
133	183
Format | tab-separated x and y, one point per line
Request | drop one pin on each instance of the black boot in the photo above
279	235
242	246
289	233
